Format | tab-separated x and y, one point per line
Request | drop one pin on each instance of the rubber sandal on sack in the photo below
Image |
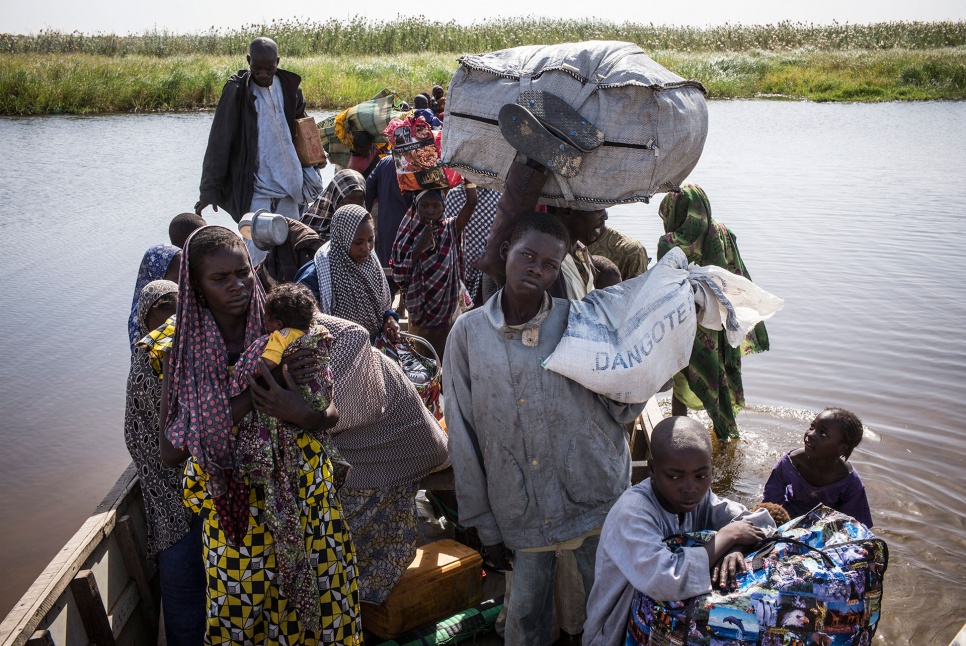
562	120
526	134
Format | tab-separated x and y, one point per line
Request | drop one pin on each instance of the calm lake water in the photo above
851	213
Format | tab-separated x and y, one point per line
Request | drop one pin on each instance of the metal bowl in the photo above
264	229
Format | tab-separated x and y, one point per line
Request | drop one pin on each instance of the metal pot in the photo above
264	229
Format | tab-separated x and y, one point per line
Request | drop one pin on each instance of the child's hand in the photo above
391	329
725	572
302	365
740	532
425	242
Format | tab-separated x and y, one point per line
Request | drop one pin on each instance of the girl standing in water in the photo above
219	315
820	472
712	379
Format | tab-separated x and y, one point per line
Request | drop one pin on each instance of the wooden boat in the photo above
102	589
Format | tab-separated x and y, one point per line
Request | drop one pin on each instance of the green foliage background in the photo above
345	62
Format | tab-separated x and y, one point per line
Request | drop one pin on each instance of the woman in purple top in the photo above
820	472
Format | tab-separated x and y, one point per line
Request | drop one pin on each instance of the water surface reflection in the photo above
851	213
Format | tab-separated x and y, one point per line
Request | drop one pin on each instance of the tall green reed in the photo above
361	36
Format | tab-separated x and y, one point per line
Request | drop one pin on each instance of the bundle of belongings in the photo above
339	131
641	128
416	153
626	341
424	372
818	580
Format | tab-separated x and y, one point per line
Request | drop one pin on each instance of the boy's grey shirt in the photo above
632	556
555	453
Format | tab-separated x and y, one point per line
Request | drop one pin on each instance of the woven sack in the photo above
654	122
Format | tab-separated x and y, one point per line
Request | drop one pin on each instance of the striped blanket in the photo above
371	116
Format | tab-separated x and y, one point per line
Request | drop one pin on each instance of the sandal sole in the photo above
527	135
561	119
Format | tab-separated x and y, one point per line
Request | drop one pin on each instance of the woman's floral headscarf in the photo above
199	411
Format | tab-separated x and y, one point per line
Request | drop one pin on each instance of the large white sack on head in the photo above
730	302
654	121
625	342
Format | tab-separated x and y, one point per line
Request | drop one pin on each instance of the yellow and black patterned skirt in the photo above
245	605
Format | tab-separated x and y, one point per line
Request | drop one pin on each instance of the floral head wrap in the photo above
153	266
687	217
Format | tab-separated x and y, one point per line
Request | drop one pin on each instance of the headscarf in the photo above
357	292
432	280
155	342
319	214
199	411
424	194
153	266
150	295
714	373
384	432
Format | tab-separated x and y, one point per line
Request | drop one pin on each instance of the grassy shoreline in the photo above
89	84
56	73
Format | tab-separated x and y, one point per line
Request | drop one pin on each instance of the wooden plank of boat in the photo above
89	577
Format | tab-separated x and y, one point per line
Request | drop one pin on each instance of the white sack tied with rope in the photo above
625	342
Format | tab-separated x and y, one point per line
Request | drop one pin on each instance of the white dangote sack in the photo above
729	302
654	122
625	342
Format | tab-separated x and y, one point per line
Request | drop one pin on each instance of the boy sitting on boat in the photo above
676	499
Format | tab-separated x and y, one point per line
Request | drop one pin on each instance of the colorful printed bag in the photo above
415	149
817	581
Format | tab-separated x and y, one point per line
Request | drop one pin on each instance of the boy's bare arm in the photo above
725	549
463	217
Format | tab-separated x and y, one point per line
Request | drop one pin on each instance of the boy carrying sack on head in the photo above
538	458
675	500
